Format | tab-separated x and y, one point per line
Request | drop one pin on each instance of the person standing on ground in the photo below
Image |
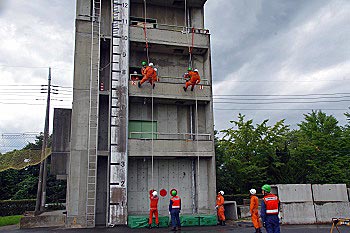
153	209
220	208
270	210
254	210
174	210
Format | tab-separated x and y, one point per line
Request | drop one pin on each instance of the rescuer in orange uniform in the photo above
153	209
174	210
149	74
270	210
254	210
192	78
220	208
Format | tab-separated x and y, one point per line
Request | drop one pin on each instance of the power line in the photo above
34	67
312	94
282	81
284	98
280	109
282	102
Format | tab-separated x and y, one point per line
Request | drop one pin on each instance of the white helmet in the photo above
221	192
155	69
150	64
154	193
252	191
195	70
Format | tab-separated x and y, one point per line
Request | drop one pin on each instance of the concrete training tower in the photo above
127	140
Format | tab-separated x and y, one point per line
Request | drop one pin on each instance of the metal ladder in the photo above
93	113
119	113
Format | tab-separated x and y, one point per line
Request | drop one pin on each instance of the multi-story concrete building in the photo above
127	140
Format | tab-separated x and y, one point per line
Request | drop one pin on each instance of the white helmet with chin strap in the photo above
150	64
221	192
154	193
252	191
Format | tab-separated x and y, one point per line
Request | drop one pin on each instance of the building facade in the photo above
126	140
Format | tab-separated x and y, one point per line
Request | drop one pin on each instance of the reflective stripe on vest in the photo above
275	211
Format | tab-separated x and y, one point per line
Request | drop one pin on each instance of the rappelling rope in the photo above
197	144
145	30
187	36
152	136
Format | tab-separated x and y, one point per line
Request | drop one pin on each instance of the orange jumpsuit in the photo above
221	210
194	79
149	74
254	211
153	209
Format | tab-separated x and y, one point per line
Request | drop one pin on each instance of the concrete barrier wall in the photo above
326	211
231	210
298	213
308	204
289	193
329	192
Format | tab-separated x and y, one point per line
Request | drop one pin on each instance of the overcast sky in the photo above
284	51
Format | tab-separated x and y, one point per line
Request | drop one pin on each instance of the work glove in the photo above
216	207
169	212
264	224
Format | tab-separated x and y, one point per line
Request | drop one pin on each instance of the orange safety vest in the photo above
176	202
271	202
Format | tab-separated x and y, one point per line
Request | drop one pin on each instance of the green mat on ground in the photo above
207	220
141	221
189	220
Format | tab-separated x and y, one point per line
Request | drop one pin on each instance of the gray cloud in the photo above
279	47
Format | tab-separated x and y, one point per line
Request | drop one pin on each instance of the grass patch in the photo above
10	220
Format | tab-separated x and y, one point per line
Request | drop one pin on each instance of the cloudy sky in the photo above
270	59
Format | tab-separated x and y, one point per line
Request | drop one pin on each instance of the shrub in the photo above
16	207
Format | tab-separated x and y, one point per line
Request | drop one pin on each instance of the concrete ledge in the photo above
170	91
47	219
167	37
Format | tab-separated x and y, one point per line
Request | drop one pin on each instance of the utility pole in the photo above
41	192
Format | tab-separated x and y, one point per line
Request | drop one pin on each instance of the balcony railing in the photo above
168	79
169	136
176	28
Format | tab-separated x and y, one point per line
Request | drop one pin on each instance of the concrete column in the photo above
78	161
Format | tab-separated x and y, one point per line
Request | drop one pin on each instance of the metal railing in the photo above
169	136
176	28
168	79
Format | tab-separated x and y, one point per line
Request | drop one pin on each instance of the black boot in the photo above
220	223
192	88
185	89
258	230
149	226
157	225
139	84
153	86
174	229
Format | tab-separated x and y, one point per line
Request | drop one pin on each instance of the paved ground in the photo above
218	229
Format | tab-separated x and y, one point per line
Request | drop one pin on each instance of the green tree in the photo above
252	155
318	156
